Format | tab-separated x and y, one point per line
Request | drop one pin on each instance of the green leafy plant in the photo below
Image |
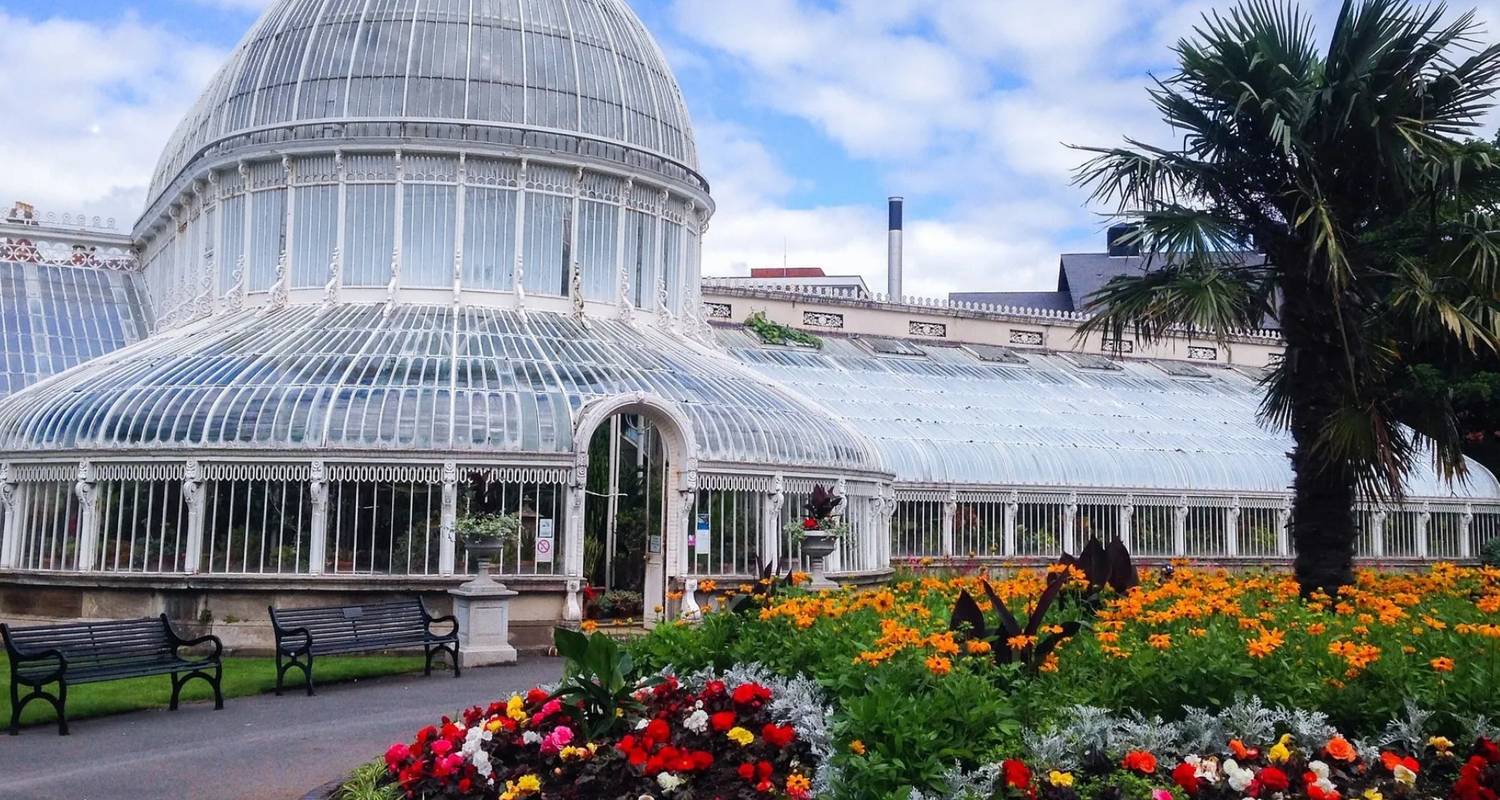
620	604
368	782
776	333
1489	554
502	528
598	678
1010	642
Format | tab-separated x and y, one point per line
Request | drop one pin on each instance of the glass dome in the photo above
583	68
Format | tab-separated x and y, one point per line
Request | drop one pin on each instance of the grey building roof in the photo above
54	317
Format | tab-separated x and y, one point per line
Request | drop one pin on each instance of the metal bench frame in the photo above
296	646
181	669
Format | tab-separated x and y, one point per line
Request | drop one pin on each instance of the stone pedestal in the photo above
482	607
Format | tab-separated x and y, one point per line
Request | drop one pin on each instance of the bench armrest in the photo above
436	620
287	633
218	644
19	656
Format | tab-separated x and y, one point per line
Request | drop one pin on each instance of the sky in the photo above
808	114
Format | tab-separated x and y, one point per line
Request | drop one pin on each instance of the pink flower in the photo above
1160	794
441	747
552	707
557	739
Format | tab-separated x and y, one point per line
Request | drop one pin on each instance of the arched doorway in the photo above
634	479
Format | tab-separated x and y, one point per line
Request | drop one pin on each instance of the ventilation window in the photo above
1093	361
887	346
1178	369
995	354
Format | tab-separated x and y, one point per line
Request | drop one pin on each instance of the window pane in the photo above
370	221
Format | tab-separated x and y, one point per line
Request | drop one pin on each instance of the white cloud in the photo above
99	101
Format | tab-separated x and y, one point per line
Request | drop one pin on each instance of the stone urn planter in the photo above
485	551
818	546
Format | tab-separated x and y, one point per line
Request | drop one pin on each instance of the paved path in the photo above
258	748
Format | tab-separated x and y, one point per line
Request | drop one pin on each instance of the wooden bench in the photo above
302	633
91	652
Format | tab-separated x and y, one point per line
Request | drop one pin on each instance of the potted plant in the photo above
486	537
819	532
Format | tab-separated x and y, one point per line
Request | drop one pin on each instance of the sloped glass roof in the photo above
53	317
423	378
952	418
580	67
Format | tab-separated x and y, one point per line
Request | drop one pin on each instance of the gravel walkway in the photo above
258	748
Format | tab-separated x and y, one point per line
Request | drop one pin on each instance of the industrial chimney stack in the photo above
893	256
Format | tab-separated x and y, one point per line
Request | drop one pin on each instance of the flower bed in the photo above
917	696
746	735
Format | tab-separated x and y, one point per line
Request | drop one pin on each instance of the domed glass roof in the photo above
585	68
429	378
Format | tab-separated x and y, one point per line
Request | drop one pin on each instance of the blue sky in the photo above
808	114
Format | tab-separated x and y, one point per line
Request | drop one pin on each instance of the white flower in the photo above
668	782
481	762
1320	769
697	722
1238	777
642	724
531	737
1205	769
474	738
1404	775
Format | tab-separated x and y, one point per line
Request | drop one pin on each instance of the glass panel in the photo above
314	235
370	234
268	231
597	240
547	231
489	238
428	237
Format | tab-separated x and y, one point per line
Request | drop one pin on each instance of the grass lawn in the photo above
242	676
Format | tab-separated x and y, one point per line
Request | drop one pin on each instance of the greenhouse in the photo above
407	263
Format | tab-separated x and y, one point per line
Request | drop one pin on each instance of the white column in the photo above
400	232
317	540
950	513
1070	525
771	522
573	532
1465	528
88	516
460	212
1377	534
1012	507
448	527
193	497
1179	527
1424	523
518	275
288	245
1232	529
1127	520
1284	528
10	536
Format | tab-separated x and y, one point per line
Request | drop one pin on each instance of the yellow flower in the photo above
740	736
1281	752
1060	779
857	747
515	708
797	783
1372	794
1440	743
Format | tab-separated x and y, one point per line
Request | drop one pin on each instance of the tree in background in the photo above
1354	175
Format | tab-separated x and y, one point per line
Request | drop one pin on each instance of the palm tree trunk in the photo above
1323	493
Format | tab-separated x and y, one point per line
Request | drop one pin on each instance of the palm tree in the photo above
1353	178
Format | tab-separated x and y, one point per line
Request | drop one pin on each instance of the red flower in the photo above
722	721
656	731
397	753
536	697
713	689
1274	779
809	524
441	747
1140	761
778	735
748	693
1488	750
1017	774
747	771
1185	775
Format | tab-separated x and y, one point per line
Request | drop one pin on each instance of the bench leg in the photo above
433	650
58	702
215	680
292	661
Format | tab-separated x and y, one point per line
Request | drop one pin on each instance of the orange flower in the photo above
1140	761
588	626
1340	749
1160	641
977	647
857	747
1442	664
938	665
